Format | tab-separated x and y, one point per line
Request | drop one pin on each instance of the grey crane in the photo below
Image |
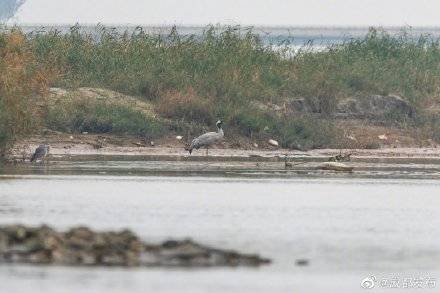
40	152
207	139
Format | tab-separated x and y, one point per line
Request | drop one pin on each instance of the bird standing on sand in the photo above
207	139
41	152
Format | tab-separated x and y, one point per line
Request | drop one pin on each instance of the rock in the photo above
311	105
152	143
82	246
383	137
301	105
58	91
139	144
336	166
179	137
366	107
255	145
273	142
374	107
340	158
302	262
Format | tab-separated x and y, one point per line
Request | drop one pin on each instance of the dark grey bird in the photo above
207	139
40	152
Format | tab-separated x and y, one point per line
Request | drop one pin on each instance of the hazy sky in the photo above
269	12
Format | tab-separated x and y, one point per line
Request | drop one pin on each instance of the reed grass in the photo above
219	74
376	64
22	79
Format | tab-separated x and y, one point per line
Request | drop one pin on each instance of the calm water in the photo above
348	228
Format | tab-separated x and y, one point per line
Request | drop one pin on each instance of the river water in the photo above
348	229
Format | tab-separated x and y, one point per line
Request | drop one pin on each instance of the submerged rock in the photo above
82	246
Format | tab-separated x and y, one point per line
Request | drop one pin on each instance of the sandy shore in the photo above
83	147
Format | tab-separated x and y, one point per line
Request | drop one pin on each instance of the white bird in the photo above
207	139
40	152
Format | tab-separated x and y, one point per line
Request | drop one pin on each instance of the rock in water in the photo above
82	246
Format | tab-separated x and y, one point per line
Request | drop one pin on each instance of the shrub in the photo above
301	132
253	123
21	80
99	117
308	132
186	106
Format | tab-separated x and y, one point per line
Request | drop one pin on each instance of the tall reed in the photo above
223	73
21	81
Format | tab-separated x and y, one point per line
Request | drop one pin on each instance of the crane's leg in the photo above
45	160
207	151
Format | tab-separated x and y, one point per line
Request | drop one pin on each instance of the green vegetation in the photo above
377	64
80	115
190	79
193	80
4	133
230	64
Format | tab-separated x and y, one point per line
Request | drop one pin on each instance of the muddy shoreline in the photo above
122	156
95	146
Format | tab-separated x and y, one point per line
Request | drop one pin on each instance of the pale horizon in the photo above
276	13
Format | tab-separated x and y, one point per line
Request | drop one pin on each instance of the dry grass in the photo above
186	107
22	79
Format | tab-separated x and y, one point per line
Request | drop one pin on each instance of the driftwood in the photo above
336	166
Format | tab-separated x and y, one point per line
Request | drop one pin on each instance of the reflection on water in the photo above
306	168
348	228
